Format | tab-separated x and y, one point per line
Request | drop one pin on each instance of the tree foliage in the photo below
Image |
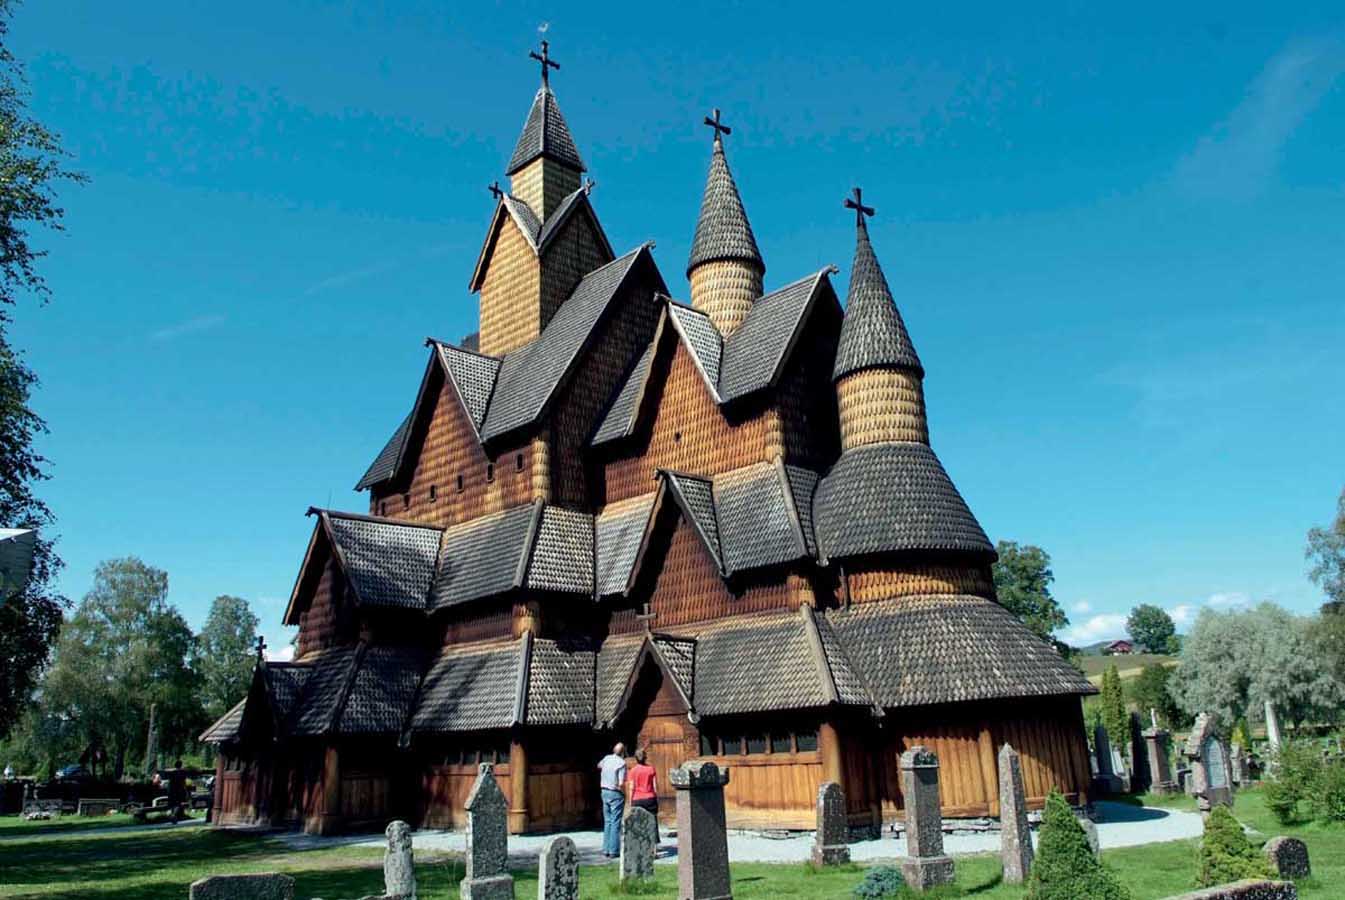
1225	855
1065	867
1149	691
225	654
1023	579
1113	705
1328	635
1326	550
124	650
1151	628
1232	662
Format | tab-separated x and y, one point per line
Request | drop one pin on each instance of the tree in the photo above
1151	628
30	166
1023	584
225	654
1232	662
1114	716
1326	550
124	650
1149	691
1065	867
1225	854
1328	635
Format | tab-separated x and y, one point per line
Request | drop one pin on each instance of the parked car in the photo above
74	772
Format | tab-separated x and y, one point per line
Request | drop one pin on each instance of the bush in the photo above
1327	801
1065	867
1225	854
1295	773
879	882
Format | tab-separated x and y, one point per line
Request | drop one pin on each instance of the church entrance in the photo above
656	719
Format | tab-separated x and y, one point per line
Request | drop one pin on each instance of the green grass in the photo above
159	864
17	825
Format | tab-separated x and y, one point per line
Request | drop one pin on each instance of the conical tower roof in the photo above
722	231
545	134
873	334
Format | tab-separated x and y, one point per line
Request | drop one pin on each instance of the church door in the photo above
664	741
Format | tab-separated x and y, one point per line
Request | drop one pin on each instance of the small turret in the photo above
545	167
725	268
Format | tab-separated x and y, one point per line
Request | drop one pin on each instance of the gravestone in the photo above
1090	832
925	864
1015	838
1238	767
92	807
487	858
639	839
1272	726
1211	778
1289	857
1141	777
399	864
702	840
831	842
1158	762
1106	779
271	886
558	870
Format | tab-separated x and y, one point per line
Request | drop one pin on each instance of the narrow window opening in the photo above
490	472
460	484
434	492
382	508
518	463
406	501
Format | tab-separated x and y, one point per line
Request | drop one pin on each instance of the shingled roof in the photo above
873	333
758	510
619	533
485	556
545	133
560	683
470	689
319	704
227	727
381	692
539	235
722	230
387	563
893	497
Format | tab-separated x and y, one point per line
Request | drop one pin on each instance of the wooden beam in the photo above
329	809
518	785
989	767
829	743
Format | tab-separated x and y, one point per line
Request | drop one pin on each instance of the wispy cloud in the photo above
1081	607
1101	627
1240	157
191	326
1232	600
284	653
353	276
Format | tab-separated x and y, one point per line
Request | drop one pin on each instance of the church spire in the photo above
879	378
725	267
545	166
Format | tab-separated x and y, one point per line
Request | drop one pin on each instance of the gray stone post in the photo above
1272	726
702	839
270	886
488	875
1015	838
558	870
399	863
831	843
1160	764
925	864
639	839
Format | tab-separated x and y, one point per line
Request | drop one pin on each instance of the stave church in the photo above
711	527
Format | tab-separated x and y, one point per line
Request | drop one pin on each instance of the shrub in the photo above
1295	772
1065	867
879	882
1225	854
1327	800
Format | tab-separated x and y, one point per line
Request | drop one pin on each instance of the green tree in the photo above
1151	628
31	165
1114	716
1023	579
1232	662
124	650
1328	636
1149	691
1326	550
1065	867
1225	854
225	654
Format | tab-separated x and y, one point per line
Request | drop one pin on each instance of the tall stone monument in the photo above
925	863
831	842
639	840
558	870
1107	779
1272	726
1162	780
702	839
1015	838
488	875
399	863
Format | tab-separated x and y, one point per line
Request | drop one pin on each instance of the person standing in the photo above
612	778
644	786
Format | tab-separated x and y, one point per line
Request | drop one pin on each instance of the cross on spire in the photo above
547	62
718	126
261	646
495	190
857	204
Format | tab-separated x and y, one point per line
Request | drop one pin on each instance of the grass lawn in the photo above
158	865
17	825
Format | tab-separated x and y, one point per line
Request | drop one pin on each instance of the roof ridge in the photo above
362	517
449	345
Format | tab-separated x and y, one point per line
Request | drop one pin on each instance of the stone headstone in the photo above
271	886
558	870
1158	762
925	864
831	842
1272	726
1289	857
487	857
1107	779
1090	832
1015	838
639	840
1248	889
702	839
399	864
1211	779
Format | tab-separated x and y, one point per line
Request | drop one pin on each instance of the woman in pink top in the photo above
643	781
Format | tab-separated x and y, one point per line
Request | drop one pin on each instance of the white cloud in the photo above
1226	601
1239	158
1182	614
1101	627
283	654
191	326
1081	607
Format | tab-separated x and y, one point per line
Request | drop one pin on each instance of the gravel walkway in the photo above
1118	825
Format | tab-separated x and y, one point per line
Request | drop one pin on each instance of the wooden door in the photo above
664	741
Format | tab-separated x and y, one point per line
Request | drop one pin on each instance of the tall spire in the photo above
873	334
545	133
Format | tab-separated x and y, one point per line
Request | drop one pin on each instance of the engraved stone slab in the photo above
925	864
271	886
487	841
1289	856
702	840
399	864
1015	838
558	870
639	840
831	842
1160	764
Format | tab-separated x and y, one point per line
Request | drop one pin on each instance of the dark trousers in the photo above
651	805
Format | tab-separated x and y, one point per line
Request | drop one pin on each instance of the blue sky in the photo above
1116	239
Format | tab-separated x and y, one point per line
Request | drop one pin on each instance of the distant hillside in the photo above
1128	666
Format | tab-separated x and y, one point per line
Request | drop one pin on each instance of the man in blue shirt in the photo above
612	778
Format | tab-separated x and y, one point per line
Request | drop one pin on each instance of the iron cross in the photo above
545	59
261	646
857	204
717	125
494	188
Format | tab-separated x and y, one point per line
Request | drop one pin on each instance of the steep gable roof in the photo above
388	563
694	495
620	532
873	333
538	235
545	133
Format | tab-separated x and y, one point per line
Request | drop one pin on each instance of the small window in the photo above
708	747
756	743
518	463
490	472
460	484
781	743
382	508
677	437
733	746
406	501
806	741
434	492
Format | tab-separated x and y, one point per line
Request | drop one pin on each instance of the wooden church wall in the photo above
325	622
867	585
511	293
570	256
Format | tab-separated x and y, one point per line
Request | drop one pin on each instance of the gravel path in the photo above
1118	825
